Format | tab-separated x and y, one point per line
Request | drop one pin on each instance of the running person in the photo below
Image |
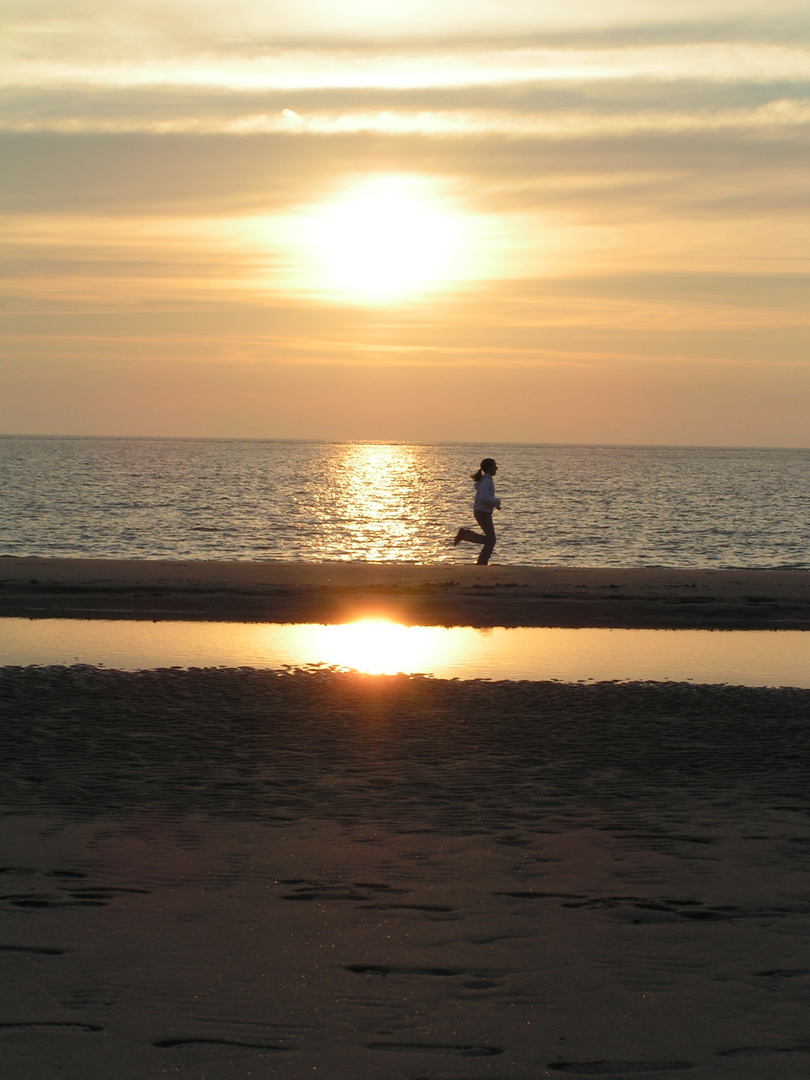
485	503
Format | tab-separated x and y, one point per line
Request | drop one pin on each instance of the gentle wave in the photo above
320	502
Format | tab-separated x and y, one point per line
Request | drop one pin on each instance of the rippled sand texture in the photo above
234	873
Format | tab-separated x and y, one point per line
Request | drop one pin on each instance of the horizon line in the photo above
404	442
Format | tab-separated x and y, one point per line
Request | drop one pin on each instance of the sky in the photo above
511	221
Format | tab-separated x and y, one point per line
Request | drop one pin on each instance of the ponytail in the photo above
486	465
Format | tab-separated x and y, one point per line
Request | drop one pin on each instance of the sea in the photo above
298	501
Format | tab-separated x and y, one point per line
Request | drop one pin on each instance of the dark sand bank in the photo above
411	751
430	595
228	873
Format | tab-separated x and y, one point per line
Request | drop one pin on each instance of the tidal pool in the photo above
741	657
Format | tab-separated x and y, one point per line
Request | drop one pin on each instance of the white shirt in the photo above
485	495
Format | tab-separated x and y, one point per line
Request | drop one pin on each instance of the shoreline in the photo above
436	595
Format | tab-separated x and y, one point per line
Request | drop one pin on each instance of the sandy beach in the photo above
428	595
222	873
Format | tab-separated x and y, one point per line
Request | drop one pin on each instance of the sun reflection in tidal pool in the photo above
382	647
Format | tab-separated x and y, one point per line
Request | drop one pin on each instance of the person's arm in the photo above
488	494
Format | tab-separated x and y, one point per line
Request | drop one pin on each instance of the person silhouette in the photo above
485	502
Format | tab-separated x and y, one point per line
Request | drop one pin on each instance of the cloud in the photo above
665	115
639	169
116	28
298	69
783	113
624	171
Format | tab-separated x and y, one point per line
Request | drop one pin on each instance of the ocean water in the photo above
317	502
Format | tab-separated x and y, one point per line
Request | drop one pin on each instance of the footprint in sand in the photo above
384	970
472	980
437	1048
44	1027
31	950
617	1068
785	973
764	1051
191	1042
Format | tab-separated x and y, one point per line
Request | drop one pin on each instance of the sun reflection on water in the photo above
373	485
380	647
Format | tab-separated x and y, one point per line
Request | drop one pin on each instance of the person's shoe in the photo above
458	538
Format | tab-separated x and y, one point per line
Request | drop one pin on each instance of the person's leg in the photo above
470	536
485	521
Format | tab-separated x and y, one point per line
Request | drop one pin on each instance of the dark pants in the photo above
487	540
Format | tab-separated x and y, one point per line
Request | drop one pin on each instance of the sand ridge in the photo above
430	595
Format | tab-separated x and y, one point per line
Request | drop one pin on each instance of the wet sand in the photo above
233	873
429	595
223	874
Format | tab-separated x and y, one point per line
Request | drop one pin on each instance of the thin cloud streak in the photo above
116	28
303	69
781	113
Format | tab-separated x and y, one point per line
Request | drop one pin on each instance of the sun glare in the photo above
380	647
386	239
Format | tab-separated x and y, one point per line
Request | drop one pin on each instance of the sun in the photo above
386	239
